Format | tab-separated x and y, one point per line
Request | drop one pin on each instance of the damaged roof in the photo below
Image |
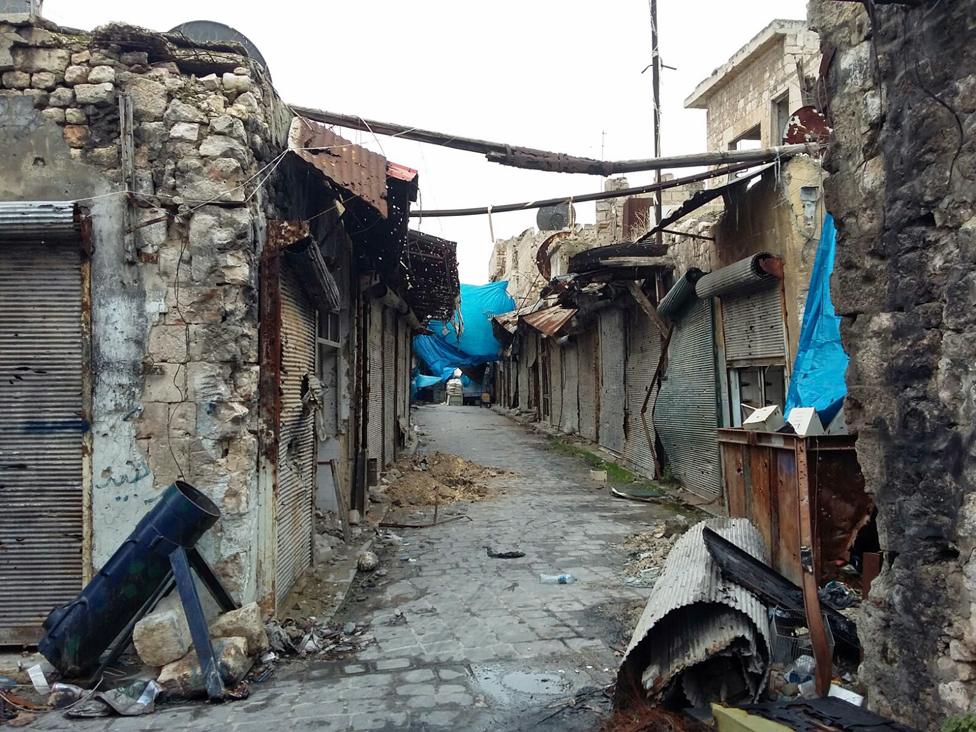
351	167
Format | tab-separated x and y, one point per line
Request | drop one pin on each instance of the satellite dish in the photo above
211	30
554	218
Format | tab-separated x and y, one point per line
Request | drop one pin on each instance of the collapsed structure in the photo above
195	283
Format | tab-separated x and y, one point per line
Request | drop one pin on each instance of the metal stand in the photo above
183	563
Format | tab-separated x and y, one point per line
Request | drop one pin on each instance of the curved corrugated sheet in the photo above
739	277
687	617
680	294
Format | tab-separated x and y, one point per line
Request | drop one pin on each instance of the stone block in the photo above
167	343
210	82
208	382
76	75
183	678
64	97
82	57
187	131
41	59
220	146
153	229
44	80
135	58
217	229
220	181
229	127
149	98
165	382
162	637
104	157
219	342
54	115
16	79
97	94
101	74
39	96
77	136
236	83
168	456
247	622
180	111
221	420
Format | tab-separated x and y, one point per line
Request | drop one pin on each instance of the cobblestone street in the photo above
482	643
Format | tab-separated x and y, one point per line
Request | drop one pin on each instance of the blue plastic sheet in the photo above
820	365
467	339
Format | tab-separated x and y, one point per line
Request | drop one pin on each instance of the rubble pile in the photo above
649	549
311	637
439	478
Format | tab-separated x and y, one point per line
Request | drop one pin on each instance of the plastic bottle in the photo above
557	579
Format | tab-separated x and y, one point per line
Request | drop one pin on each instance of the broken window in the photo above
749	140
781	118
753	387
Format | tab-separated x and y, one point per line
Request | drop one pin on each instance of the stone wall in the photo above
901	91
174	304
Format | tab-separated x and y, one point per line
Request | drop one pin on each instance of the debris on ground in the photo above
701	638
132	700
649	549
367	562
310	637
439	478
492	554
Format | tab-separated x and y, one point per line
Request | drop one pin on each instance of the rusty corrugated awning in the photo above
551	320
350	166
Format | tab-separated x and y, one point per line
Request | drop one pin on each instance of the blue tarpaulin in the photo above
818	372
467	339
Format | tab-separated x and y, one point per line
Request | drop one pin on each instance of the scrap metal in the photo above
430	272
350	167
550	321
695	617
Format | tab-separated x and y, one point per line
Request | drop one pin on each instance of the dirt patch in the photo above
440	478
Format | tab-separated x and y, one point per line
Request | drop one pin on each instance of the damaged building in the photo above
195	284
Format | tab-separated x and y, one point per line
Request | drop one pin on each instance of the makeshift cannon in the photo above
158	554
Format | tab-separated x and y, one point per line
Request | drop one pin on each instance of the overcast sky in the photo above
561	75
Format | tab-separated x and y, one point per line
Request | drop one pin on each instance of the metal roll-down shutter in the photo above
686	412
753	325
294	498
643	356
43	423
612	395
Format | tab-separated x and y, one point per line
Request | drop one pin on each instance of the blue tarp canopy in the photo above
466	340
818	372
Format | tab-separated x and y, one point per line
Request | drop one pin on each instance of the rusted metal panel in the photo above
753	325
543	257
612	380
374	342
43	432
551	320
762	483
295	489
588	386
401	172
351	167
556	382
643	354
39	221
389	386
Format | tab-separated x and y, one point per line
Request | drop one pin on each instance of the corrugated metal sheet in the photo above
403	372
753	325
556	384
688	600
569	421
42	431
38	221
587	379
643	355
686	411
746	274
389	385
613	394
295	492
374	430
354	168
680	294
550	320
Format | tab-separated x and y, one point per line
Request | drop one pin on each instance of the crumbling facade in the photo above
211	299
900	93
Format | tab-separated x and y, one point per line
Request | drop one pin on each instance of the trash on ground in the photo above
649	549
839	595
132	700
598	476
492	554
557	579
644	493
39	680
64	694
368	561
313	638
701	638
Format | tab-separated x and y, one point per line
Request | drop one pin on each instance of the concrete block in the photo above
183	678
162	637
246	622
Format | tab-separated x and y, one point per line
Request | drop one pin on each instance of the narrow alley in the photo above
482	643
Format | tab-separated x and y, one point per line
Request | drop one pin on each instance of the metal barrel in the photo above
78	633
680	294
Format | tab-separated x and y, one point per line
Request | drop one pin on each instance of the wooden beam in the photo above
648	307
534	159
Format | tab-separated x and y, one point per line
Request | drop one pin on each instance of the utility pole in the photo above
656	86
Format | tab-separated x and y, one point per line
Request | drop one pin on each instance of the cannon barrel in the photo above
76	634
